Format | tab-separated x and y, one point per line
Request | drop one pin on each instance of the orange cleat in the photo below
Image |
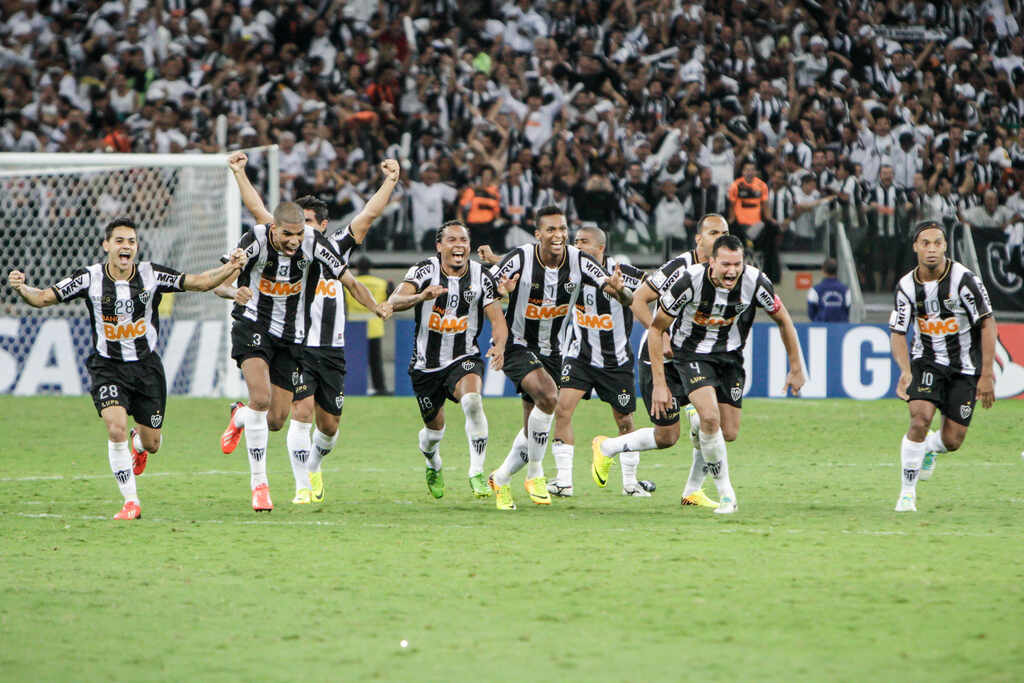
261	499
229	439
139	458
131	510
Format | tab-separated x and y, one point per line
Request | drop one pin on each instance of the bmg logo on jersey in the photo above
594	322
279	288
542	312
123	331
938	327
447	324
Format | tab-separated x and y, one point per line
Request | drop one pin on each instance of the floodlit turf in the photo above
815	578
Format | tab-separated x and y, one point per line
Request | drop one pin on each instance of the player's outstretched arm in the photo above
363	295
250	197
487	255
39	298
499	335
615	287
374	207
641	306
204	282
406	295
987	383
795	377
900	355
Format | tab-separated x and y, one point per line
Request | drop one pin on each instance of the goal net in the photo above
53	210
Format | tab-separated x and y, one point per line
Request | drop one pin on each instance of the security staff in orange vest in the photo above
479	208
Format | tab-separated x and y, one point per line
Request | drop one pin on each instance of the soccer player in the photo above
710	227
545	281
451	295
599	359
709	308
126	372
952	354
321	374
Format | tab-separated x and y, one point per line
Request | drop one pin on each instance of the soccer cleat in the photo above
502	495
261	499
435	482
907	503
131	510
927	467
479	486
302	497
698	498
538	490
600	463
229	439
139	458
556	489
727	506
316	483
636	490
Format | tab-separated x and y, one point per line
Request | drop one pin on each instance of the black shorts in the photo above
614	387
137	386
520	362
723	371
675	388
322	376
954	393
250	341
432	388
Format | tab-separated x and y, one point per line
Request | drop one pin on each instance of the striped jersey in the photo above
280	284
712	319
122	313
539	305
948	313
657	282
601	325
327	310
447	327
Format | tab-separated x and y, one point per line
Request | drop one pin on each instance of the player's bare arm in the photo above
795	377
487	255
406	295
250	197
661	398
986	383
38	298
363	295
375	206
507	284
204	282
641	307
898	345
616	288
499	335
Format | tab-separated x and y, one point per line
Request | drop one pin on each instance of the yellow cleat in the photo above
601	463
538	490
303	497
502	495
699	499
316	483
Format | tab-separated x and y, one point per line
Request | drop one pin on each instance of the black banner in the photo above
1002	269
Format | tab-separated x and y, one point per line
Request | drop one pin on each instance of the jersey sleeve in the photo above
765	296
591	271
508	266
419	276
490	289
632	276
665	276
168	279
674	298
975	299
344	242
325	254
902	312
74	286
247	243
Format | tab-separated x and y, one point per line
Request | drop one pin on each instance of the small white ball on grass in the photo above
404	643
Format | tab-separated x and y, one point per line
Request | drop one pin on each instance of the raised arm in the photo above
795	377
374	207
38	298
250	197
204	282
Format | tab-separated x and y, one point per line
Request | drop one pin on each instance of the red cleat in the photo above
139	458
261	499
229	439
131	510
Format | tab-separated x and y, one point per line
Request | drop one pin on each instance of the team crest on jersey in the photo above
303	264
469	295
736	393
339	401
949	303
740	308
144	297
570	287
156	420
107	299
624	398
965	411
467	365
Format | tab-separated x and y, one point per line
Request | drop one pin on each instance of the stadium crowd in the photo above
638	116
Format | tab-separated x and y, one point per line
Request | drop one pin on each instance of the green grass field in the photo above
815	578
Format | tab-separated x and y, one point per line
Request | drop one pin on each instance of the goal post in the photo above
53	209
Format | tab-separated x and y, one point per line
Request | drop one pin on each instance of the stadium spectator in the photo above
829	300
381	290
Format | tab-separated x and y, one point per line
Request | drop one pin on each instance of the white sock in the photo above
697	471
514	461
322	445
241	415
539	424
476	431
712	447
933	443
256	433
911	455
695	430
299	446
121	465
629	460
563	453
429	441
640	440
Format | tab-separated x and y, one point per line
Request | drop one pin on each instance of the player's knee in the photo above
918	428
953	441
472	405
625	425
328	425
151	443
710	424
729	433
259	402
117	433
276	422
666	436
547	401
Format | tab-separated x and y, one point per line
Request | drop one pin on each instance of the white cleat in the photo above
556	489
727	506
906	503
636	490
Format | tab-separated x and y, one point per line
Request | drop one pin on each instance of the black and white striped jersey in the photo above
948	313
327	310
658	282
281	285
123	313
538	310
447	327
713	319
601	325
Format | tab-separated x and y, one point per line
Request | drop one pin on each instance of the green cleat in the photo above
927	467
302	497
502	495
600	463
435	483
479	486
316	482
538	490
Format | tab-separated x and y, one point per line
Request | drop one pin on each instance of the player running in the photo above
710	309
545	281
952	354
126	373
599	359
320	388
451	295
